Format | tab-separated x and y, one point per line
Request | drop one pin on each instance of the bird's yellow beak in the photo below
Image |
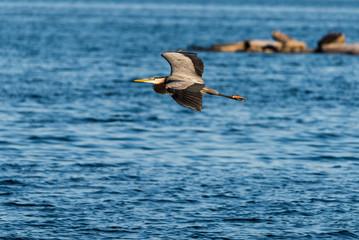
148	80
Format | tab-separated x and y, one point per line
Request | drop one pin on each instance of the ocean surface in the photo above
86	153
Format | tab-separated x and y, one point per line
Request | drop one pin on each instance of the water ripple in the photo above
86	153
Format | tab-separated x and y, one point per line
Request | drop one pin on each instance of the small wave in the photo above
95	165
11	182
163	201
327	135
34	96
110	230
19	204
6	194
342	233
92	49
254	220
51	138
336	158
18	166
28	204
224	196
102	120
323	200
293	212
76	179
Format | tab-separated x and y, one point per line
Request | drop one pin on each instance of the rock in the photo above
354	49
230	47
262	46
338	38
289	44
294	46
281	37
330	43
350	48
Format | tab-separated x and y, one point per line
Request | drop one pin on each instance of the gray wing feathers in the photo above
185	82
197	62
185	66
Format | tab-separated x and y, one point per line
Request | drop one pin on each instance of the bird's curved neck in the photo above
160	87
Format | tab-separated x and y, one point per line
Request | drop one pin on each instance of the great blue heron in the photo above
185	84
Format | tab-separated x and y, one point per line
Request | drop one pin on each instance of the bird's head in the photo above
158	84
154	80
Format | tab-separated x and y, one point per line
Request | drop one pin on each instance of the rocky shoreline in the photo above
282	43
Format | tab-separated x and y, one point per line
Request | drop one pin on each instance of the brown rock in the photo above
290	45
231	47
294	46
331	38
262	46
350	48
281	37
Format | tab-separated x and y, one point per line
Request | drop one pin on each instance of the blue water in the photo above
86	153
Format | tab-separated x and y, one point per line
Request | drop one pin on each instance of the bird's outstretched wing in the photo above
190	97
185	82
185	66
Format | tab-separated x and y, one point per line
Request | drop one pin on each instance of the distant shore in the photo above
282	43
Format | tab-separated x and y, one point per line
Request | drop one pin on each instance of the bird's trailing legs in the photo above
215	92
235	97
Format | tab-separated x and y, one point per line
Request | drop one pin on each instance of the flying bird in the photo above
185	84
